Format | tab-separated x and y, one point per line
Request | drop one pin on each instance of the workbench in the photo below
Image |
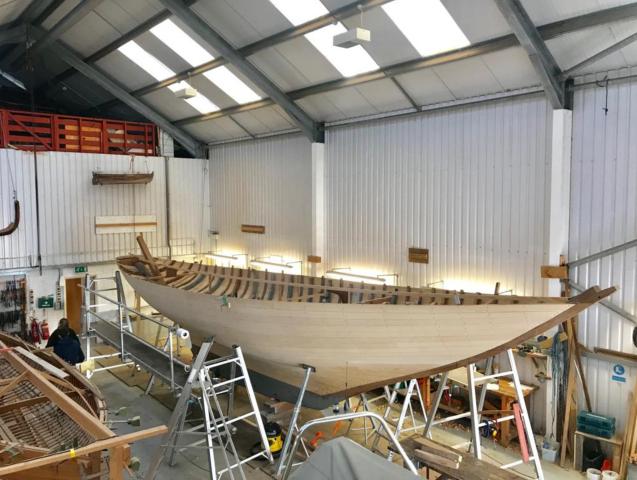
503	390
470	468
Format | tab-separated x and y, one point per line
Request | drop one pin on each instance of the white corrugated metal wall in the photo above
69	204
189	199
468	183
17	173
603	215
263	182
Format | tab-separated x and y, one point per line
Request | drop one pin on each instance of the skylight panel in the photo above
232	85
300	11
146	61
427	25
157	69
348	62
193	53
202	104
181	43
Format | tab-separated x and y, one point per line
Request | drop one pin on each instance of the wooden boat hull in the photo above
122	178
355	347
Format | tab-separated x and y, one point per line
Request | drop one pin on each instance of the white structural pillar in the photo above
559	209
318	206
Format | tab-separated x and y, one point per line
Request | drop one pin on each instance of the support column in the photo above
318	207
560	196
559	213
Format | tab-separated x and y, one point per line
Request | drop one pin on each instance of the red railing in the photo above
64	133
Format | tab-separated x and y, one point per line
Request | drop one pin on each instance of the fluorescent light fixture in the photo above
192	52
157	69
222	256
181	43
427	25
471	286
349	275
348	62
232	85
267	262
146	61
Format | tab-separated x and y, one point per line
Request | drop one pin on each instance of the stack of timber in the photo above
357	336
452	463
51	420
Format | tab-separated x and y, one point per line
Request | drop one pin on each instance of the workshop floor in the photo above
193	464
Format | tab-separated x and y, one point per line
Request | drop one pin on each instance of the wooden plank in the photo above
314	259
440	450
45	365
147	255
245	228
434	459
83	451
552	271
418	255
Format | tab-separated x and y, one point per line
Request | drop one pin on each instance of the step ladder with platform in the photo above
217	427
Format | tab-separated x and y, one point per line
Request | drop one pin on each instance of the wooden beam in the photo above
7	407
88	422
98	446
148	256
551	271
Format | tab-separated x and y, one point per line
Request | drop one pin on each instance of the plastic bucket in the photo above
609	475
593	474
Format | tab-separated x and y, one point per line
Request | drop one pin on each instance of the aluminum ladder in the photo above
203	388
476	405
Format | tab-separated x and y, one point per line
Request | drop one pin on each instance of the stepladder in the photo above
215	399
477	388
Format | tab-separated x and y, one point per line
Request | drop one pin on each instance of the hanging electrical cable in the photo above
13	226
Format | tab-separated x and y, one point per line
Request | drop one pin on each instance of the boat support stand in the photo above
293	429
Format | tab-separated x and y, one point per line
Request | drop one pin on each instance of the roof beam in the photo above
307	125
13	34
339	14
76	14
115	89
601	54
115	44
539	54
548	31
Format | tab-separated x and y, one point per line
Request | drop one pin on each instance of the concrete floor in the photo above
193	464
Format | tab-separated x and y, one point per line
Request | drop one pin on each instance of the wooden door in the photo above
73	294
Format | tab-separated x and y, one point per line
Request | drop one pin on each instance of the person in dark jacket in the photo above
66	343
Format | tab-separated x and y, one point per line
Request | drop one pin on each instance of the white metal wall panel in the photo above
189	205
470	184
17	172
603	215
69	204
263	182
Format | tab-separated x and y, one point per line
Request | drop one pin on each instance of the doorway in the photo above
73	300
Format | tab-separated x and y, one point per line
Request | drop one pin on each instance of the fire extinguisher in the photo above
35	331
44	328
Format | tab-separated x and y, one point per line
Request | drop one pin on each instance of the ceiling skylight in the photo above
160	72
181	43
146	61
202	103
348	62
232	85
427	25
193	53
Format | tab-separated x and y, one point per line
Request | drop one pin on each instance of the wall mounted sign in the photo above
619	372
245	228
418	255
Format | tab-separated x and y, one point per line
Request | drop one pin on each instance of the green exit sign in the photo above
80	269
